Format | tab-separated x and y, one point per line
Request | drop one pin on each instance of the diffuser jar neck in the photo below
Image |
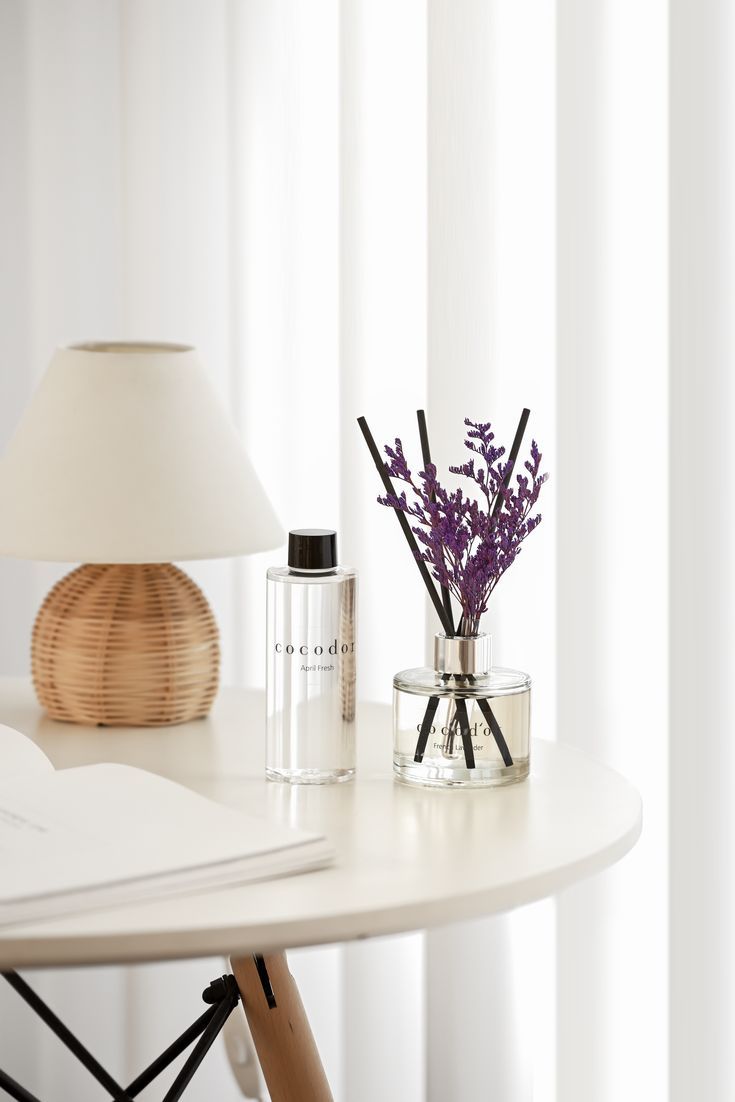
463	655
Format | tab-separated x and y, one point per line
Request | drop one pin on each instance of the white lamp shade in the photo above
124	455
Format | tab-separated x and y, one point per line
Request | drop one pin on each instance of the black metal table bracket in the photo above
222	996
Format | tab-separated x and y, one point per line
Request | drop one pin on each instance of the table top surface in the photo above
407	858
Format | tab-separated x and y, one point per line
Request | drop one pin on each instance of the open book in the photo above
102	834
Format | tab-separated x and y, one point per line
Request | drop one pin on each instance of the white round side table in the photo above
408	858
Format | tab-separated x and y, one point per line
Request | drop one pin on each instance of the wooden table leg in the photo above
282	1036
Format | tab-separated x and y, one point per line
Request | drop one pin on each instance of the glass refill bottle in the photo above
462	722
310	671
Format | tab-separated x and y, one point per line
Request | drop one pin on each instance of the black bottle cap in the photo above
312	549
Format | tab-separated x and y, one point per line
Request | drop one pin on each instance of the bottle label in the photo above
315	657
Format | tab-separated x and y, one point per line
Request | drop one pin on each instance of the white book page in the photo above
103	824
19	756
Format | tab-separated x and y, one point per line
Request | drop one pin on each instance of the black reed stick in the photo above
426	455
426	728
464	726
494	726
406	528
512	456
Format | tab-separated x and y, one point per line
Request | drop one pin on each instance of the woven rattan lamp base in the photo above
125	645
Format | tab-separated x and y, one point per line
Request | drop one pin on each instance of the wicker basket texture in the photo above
125	645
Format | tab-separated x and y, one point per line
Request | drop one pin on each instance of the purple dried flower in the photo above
468	542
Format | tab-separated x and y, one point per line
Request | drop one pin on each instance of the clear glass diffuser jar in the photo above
462	723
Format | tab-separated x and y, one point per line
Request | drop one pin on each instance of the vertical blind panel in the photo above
284	301
477	1036
461	216
75	170
283	240
175	261
319	974
74	189
612	559
473	1039
175	161
383	375
522	367
636	600
702	333
16	344
382	312
385	1022
523	609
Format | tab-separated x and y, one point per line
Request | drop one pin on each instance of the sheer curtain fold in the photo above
382	333
473	1005
612	563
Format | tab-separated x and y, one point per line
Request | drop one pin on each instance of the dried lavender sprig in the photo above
405	526
434	700
499	499
467	546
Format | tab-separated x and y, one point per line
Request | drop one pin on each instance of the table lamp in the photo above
124	461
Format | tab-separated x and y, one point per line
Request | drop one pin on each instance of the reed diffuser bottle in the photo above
462	722
311	663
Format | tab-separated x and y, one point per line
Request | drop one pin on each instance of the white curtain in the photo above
366	206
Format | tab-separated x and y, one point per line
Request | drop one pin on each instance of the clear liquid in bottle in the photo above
311	663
